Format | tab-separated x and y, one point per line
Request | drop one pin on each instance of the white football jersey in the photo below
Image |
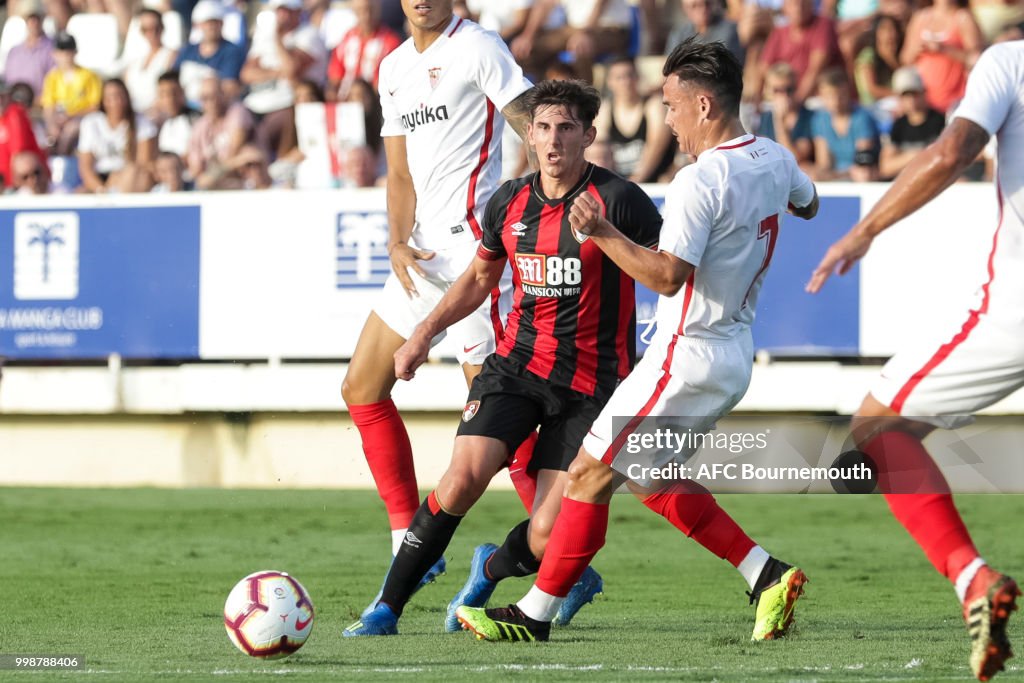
722	214
447	102
995	101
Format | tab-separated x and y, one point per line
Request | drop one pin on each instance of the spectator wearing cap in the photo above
29	174
808	43
360	51
915	129
217	137
211	55
706	20
30	61
117	145
845	135
69	93
142	73
280	57
16	134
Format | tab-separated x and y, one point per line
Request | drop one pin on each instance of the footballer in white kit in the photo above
977	362
722	216
436	100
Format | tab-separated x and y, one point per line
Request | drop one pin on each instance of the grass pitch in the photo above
135	580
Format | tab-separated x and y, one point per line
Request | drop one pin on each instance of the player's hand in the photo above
410	356
840	258
404	257
585	214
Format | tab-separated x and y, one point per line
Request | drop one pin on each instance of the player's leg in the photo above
367	393
917	391
702	383
475	461
476	337
576	537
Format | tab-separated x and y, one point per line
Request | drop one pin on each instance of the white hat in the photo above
907	79
287	4
207	10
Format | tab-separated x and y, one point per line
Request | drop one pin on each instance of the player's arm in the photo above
517	114
462	298
401	198
659	271
806	212
924	178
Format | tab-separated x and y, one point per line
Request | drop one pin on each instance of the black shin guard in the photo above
514	557
430	532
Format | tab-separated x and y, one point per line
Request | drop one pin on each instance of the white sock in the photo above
397	536
967	574
752	565
540	605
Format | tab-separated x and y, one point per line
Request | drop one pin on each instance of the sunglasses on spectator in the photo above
31	174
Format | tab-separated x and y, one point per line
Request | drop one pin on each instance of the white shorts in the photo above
476	336
971	366
681	383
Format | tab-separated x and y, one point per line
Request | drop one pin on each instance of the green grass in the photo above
135	581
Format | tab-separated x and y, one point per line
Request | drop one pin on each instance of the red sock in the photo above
931	517
525	482
694	511
578	534
389	455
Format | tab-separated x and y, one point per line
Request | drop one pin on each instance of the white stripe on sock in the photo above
397	536
540	605
967	574
752	565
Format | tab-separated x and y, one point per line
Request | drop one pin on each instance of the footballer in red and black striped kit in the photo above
568	341
573	316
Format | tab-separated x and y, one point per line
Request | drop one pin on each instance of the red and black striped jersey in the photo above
573	319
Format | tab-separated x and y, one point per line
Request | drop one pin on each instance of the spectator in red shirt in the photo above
360	52
808	43
16	134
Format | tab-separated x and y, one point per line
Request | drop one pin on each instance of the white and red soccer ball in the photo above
268	615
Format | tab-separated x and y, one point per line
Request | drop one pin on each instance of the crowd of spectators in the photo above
208	95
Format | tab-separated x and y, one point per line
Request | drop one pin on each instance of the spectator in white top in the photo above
278	59
116	146
173	115
507	18
592	28
142	72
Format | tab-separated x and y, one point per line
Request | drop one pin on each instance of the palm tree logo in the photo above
46	236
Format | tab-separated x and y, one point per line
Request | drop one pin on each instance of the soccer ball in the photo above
268	615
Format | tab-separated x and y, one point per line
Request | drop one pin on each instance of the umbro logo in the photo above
412	540
518	229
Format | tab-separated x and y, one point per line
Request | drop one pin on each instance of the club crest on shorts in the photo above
470	411
434	73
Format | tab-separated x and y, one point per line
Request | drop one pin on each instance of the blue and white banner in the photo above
89	282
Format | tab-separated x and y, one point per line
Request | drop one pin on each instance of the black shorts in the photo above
507	402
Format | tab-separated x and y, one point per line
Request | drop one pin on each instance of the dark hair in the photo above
710	66
171	76
132	141
834	77
23	94
153	13
318	92
879	67
581	97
